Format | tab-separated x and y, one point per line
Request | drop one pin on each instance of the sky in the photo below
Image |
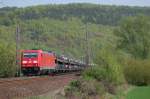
25	3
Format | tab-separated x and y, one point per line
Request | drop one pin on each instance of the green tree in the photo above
107	59
134	34
7	60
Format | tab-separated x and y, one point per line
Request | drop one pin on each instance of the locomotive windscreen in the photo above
30	55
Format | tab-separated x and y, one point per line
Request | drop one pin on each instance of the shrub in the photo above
72	88
92	88
83	89
137	71
95	73
75	83
100	75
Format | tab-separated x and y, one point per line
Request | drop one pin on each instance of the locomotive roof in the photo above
37	51
28	50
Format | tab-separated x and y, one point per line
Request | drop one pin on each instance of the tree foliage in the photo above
7	60
106	59
134	34
137	71
91	13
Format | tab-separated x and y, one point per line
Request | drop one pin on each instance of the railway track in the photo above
10	80
32	86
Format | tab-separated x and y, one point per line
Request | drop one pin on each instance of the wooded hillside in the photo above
63	28
98	14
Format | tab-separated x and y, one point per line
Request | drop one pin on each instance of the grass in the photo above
139	93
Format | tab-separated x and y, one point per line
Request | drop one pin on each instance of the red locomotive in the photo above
44	62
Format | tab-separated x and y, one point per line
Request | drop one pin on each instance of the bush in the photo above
72	88
100	75
75	83
95	73
137	71
84	89
92	88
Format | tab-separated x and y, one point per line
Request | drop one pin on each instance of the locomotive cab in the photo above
30	62
30	58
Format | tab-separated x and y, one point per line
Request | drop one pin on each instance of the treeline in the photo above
92	13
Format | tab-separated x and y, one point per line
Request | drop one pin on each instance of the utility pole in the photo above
87	58
65	38
18	49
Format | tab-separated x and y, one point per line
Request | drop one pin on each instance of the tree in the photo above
134	34
107	60
7	60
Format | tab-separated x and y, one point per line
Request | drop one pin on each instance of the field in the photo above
139	93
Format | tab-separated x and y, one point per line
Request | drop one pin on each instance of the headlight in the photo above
34	61
24	62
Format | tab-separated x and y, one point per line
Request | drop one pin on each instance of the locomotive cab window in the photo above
30	55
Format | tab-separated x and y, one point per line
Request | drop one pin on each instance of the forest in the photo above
118	38
91	13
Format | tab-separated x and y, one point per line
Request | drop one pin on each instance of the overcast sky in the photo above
24	3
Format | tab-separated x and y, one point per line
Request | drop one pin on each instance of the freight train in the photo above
37	62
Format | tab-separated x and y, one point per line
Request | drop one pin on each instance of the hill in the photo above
62	28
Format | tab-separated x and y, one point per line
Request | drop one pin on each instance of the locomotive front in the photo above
30	61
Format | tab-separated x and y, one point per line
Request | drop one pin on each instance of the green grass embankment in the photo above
139	93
